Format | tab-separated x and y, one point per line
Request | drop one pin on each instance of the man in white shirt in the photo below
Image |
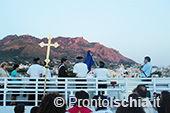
103	73
80	70
35	70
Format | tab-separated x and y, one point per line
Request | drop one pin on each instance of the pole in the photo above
45	79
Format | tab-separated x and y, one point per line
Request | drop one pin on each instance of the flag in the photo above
89	60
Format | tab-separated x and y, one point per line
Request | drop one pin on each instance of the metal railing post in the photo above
5	90
154	85
36	92
126	88
96	86
66	91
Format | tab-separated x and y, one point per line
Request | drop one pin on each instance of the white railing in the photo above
68	87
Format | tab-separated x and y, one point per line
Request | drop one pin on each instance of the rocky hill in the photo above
22	49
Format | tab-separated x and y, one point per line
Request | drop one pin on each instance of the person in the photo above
142	92
16	75
164	102
35	70
3	73
3	70
79	108
80	69
20	108
62	68
146	69
134	108
131	108
48	106
62	73
121	109
102	72
34	109
100	109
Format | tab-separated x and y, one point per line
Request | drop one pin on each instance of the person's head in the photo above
165	101
16	67
37	60
135	97
165	97
96	100
141	90
64	61
134	107
4	65
34	109
147	59
102	64
20	108
81	95
47	104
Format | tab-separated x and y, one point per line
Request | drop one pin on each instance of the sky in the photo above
136	28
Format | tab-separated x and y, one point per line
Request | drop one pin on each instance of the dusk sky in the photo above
136	28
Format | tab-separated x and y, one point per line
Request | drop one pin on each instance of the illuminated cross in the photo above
47	60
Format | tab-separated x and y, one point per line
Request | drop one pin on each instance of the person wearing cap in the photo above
80	69
146	69
62	73
102	72
35	70
62	68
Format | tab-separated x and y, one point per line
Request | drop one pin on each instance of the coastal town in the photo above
120	70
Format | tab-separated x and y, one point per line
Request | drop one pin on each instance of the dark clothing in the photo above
1	95
161	109
103	86
62	71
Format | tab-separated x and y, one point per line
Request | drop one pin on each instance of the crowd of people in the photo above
140	92
80	69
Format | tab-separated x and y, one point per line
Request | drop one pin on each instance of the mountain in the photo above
24	48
